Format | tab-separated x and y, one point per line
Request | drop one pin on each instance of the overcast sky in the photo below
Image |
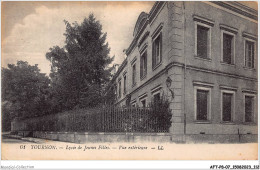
29	29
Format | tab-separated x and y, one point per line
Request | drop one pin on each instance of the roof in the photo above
250	4
247	8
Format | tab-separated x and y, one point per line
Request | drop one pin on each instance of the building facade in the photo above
203	57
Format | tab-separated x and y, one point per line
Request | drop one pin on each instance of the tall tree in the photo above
25	91
79	70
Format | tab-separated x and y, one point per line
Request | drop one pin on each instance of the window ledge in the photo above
204	59
248	68
250	123
141	78
228	123
223	63
155	67
202	122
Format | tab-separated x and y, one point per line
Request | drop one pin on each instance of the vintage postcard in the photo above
145	80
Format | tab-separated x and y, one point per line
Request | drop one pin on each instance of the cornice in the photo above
220	73
155	9
238	8
177	64
121	67
228	28
143	38
131	47
203	20
250	36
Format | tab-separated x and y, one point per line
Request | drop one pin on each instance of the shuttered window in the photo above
119	91
249	54
143	103
202	105
249	109
202	41
227	48
124	84
157	50
134	75
115	89
156	97
227	107
143	65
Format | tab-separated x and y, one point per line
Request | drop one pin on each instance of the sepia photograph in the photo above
136	80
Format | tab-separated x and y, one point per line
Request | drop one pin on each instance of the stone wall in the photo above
75	137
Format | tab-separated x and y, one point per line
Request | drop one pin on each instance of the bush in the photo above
161	113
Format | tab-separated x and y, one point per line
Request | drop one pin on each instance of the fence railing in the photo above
107	119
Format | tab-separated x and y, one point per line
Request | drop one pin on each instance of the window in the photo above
156	93
125	84
133	104
115	89
142	99
143	65
249	108
249	53
202	37
143	102
157	50
156	97
134	75
202	41
119	88
202	103
227	104
227	48
227	107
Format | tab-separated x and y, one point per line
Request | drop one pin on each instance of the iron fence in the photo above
106	119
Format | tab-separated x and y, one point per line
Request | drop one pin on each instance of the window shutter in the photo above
161	46
145	63
249	109
202	41
141	66
202	105
133	76
153	54
246	54
227	48
227	107
253	54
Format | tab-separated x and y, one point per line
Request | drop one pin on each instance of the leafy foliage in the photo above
161	112
79	70
24	91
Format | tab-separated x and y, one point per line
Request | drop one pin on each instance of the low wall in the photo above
77	137
209	138
81	137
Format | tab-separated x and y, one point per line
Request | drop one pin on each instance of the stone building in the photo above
203	57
